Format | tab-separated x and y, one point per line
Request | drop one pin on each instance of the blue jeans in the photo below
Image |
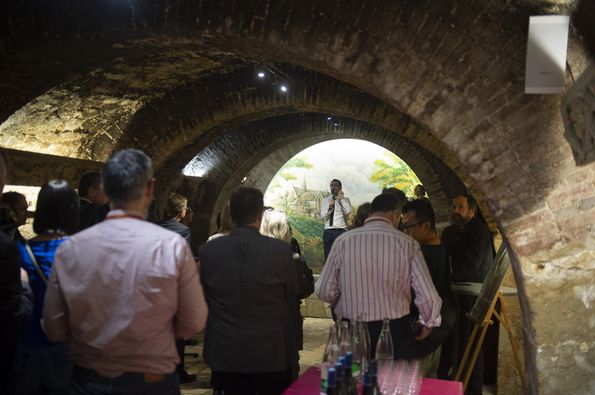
88	382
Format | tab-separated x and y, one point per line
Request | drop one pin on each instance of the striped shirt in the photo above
369	274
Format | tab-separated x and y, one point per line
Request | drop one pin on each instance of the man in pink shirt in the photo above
121	291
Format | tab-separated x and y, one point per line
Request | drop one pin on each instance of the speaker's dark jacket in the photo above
250	284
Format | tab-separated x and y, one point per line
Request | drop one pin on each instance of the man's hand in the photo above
24	276
425	331
341	195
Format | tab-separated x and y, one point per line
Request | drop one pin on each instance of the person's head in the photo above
225	223
362	213
336	186
274	224
57	209
419	191
246	207
3	172
387	206
400	195
19	205
176	206
91	187
128	178
464	207
419	220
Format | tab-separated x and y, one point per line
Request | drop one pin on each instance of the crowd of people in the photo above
391	263
102	301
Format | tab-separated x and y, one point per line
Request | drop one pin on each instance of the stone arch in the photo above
279	138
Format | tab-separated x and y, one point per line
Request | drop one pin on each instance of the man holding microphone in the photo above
335	211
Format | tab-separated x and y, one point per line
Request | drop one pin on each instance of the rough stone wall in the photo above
454	67
33	169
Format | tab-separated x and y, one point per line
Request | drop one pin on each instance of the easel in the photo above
504	319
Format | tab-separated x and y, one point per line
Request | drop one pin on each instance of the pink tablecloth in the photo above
309	384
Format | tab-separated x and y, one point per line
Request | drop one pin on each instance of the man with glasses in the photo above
335	211
419	222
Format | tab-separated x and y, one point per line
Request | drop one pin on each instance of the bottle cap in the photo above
347	361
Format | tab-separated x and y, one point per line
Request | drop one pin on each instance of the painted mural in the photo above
302	183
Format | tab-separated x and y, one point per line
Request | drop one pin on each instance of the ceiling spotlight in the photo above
261	74
329	118
335	124
283	88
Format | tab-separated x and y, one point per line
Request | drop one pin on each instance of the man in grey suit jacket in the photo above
250	284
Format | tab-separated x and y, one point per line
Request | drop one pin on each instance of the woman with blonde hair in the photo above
274	224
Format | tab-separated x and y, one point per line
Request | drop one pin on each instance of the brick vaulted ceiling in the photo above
441	81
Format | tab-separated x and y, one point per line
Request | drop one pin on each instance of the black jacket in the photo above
473	253
90	214
250	284
175	226
15	308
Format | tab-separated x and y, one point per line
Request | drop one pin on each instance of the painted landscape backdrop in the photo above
300	185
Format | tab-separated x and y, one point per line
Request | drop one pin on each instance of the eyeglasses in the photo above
405	227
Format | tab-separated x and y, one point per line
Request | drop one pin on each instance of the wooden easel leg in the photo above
466	354
514	344
474	357
484	325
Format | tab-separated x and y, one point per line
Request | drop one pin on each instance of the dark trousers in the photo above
9	358
270	383
45	370
454	348
88	382
328	238
403	340
180	346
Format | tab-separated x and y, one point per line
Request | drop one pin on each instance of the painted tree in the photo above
294	163
391	171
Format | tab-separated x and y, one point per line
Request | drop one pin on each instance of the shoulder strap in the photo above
34	261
